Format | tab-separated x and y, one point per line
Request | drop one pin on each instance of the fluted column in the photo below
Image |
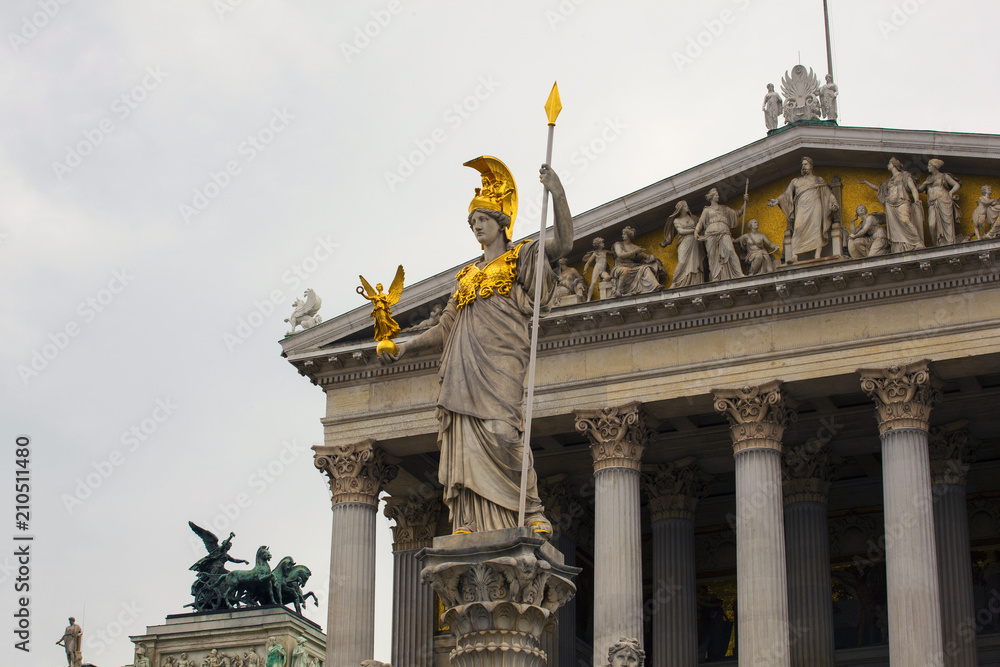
674	490
807	472
904	396
757	417
952	452
356	474
618	437
416	518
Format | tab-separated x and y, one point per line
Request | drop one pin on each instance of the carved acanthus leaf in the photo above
757	414
618	435
903	395
357	472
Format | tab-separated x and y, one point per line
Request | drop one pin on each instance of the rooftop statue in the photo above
636	271
715	229
215	587
943	212
485	339
869	238
71	640
385	327
305	313
690	268
984	218
903	213
808	205
828	93
801	91
772	108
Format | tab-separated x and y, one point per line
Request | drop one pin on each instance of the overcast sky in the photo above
174	173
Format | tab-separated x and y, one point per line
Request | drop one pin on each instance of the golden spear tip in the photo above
553	105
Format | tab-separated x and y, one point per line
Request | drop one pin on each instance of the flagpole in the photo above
829	52
552	108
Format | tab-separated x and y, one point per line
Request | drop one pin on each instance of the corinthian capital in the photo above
617	435
757	414
953	451
903	395
416	518
807	471
675	488
356	472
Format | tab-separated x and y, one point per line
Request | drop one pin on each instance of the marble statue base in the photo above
231	633
500	590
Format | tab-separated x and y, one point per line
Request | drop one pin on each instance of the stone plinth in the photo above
500	590
231	633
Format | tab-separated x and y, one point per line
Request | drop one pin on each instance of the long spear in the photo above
743	225
552	108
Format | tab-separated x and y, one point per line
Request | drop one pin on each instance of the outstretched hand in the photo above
388	358
549	179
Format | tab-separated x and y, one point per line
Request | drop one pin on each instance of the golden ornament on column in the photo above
386	328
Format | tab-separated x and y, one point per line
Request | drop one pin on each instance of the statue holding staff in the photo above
485	338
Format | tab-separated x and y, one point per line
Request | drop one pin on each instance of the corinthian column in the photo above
413	609
904	396
952	451
618	437
757	417
356	474
674	490
808	470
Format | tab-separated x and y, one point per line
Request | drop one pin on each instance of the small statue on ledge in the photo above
598	259
828	93
757	250
636	271
570	285
904	214
385	327
984	218
772	108
305	313
943	212
715	228
690	268
869	238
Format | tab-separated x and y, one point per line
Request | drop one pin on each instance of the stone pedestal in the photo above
674	490
904	396
618	437
952	451
500	590
758	416
808	471
356	474
231	633
417	519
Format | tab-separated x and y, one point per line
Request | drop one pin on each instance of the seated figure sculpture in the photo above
868	238
484	334
757	250
636	271
984	218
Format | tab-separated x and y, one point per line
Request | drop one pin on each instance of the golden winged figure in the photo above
386	328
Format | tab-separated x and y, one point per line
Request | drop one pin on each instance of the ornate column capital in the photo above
356	472
903	395
953	451
807	471
675	488
417	518
566	508
757	414
618	435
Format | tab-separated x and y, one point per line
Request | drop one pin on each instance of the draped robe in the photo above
808	204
